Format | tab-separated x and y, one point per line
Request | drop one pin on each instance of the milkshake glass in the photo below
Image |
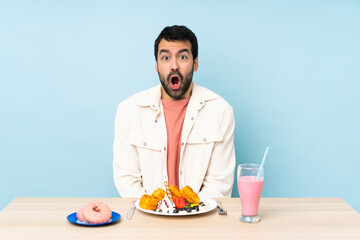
250	188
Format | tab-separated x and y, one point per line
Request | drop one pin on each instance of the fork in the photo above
221	211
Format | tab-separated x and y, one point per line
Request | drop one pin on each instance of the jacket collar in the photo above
152	97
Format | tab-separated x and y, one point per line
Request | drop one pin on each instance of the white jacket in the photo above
207	158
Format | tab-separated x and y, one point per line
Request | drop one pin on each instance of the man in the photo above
177	132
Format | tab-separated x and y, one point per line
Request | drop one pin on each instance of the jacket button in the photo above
192	119
144	144
155	121
181	172
204	139
201	103
164	148
182	143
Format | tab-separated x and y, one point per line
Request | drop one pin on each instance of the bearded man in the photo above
177	132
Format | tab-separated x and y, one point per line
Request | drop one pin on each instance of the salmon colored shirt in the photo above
174	112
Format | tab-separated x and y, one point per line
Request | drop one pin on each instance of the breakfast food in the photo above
168	193
159	193
190	196
80	216
94	213
180	202
172	200
148	202
165	205
175	191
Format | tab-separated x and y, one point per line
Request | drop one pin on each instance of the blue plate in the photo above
72	218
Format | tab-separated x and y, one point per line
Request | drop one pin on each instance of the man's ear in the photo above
156	66
196	64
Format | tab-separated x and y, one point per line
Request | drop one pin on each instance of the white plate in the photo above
210	205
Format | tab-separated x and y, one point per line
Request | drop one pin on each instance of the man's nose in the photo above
174	64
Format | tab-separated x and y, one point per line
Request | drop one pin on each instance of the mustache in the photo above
174	72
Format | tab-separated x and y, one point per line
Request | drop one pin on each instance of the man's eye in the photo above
165	58
183	57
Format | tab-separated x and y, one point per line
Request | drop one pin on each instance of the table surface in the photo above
281	218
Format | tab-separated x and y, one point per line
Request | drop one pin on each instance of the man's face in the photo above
175	66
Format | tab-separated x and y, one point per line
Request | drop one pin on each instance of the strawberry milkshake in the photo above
250	188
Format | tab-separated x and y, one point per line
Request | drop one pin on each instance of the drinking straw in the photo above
262	162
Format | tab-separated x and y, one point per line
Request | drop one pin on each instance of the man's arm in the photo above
219	178
127	174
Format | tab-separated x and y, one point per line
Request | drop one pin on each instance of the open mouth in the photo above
175	82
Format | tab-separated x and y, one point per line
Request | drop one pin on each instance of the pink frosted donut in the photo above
96	212
80	216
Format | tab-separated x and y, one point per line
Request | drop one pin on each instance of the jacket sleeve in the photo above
219	179
126	168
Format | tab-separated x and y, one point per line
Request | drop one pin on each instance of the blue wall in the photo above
291	70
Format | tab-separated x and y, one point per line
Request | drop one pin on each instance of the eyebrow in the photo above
180	51
164	51
184	50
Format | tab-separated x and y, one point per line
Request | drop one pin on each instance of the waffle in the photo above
148	202
175	191
190	195
159	193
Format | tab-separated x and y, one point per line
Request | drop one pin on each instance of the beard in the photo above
184	87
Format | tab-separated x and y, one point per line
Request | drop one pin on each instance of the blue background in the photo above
291	71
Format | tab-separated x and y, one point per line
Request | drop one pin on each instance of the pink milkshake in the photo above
250	190
250	180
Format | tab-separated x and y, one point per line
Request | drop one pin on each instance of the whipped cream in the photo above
165	205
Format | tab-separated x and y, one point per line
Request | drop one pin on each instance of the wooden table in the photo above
282	218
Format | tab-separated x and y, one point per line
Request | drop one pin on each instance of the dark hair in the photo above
177	33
